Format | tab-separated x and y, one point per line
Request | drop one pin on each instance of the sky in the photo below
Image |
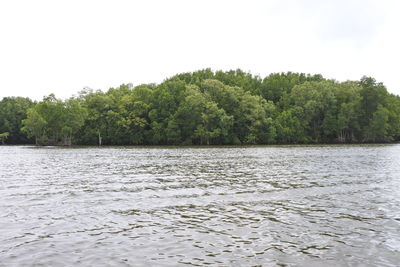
61	47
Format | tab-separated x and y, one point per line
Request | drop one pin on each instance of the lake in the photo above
324	205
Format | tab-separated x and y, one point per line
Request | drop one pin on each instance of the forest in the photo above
210	108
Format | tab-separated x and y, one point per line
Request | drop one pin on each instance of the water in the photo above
243	206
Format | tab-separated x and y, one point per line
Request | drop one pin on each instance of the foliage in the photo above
12	112
3	137
53	122
211	108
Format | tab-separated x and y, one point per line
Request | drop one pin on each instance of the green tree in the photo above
134	117
35	126
3	137
206	107
12	112
53	122
215	125
379	126
276	85
99	120
318	102
288	128
73	117
372	94
348	111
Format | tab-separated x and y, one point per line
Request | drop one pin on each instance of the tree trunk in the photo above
99	139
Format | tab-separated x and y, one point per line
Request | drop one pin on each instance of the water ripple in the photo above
233	206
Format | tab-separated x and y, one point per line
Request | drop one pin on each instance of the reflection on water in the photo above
253	206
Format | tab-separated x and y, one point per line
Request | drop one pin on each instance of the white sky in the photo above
51	46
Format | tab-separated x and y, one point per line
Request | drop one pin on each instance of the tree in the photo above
134	118
318	101
3	137
97	123
288	128
276	85
348	112
34	126
372	94
12	112
215	125
207	107
378	127
73	117
53	122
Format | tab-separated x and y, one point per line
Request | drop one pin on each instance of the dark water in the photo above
257	206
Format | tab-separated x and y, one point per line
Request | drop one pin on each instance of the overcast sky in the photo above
63	46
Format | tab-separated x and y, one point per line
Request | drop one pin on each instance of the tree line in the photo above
210	108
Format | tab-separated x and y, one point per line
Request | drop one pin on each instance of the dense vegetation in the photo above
207	107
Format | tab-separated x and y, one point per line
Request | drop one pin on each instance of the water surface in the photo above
232	206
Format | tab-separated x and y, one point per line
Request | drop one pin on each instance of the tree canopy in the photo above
211	108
